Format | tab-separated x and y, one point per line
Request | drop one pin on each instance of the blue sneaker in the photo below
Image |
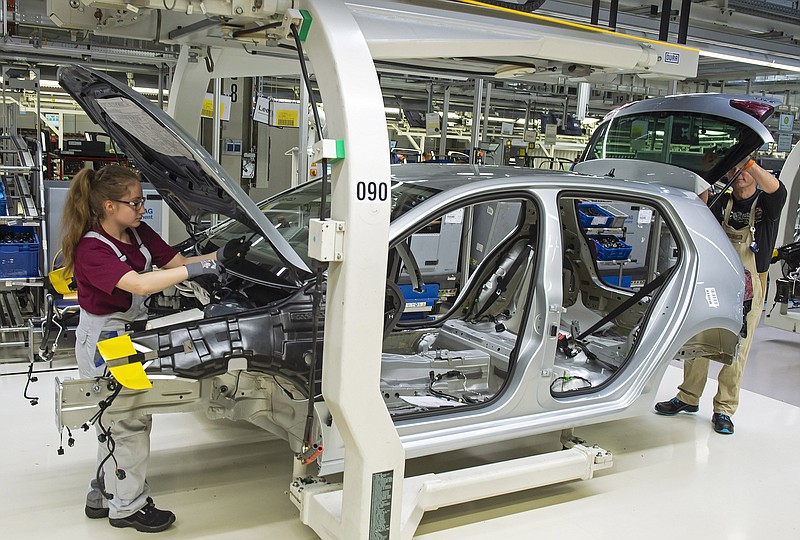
722	423
674	406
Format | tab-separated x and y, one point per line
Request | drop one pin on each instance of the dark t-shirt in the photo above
98	269
768	213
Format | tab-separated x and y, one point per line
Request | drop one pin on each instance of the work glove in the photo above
204	267
235	249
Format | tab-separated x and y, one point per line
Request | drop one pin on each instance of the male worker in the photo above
749	216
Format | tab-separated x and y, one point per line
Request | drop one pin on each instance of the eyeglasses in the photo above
136	205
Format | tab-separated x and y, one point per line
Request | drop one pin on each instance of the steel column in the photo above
613	9
683	23
216	132
485	124
476	120
302	136
217	127
595	16
663	29
161	86
584	91
445	114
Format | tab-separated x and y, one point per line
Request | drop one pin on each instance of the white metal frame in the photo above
354	305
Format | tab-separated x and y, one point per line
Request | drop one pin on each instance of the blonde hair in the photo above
84	206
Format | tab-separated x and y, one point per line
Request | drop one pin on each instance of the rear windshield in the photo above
706	145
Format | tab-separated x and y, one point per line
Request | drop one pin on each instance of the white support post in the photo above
216	132
445	114
302	138
476	121
484	136
584	91
375	460
161	86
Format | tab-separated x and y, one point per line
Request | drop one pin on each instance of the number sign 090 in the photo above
372	191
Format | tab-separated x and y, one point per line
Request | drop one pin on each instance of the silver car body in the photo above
501	365
682	312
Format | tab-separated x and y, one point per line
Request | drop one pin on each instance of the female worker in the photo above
111	252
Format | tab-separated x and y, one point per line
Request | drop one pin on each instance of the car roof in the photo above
446	176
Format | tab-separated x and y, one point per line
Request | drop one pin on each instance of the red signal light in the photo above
756	109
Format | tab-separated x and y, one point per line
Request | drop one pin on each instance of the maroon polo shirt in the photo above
98	269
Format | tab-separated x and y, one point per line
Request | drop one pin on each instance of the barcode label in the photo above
287	118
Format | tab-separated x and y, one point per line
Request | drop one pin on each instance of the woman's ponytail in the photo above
83	208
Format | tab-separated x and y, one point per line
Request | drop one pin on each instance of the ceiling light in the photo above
149	91
764	63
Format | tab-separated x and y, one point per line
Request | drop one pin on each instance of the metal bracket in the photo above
76	400
292	17
326	240
329	149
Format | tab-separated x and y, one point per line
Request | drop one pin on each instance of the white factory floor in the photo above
672	477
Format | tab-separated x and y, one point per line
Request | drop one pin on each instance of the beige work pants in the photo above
695	372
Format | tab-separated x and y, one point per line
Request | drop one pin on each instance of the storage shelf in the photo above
21	221
21	298
11	169
7	283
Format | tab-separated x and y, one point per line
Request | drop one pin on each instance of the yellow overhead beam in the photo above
579	26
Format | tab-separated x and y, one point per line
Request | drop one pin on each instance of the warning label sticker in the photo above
381	507
711	297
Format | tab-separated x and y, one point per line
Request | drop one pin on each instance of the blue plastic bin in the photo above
611	254
18	259
612	280
3	210
594	216
419	303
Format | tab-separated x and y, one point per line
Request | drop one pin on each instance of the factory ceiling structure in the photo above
744	46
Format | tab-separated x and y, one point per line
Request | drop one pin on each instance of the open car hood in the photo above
703	135
191	182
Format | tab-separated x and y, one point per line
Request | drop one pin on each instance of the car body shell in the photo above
260	378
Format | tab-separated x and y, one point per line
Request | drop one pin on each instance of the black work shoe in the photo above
146	519
95	513
722	423
674	406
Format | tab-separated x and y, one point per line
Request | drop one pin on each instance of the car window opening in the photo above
456	341
617	255
704	144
